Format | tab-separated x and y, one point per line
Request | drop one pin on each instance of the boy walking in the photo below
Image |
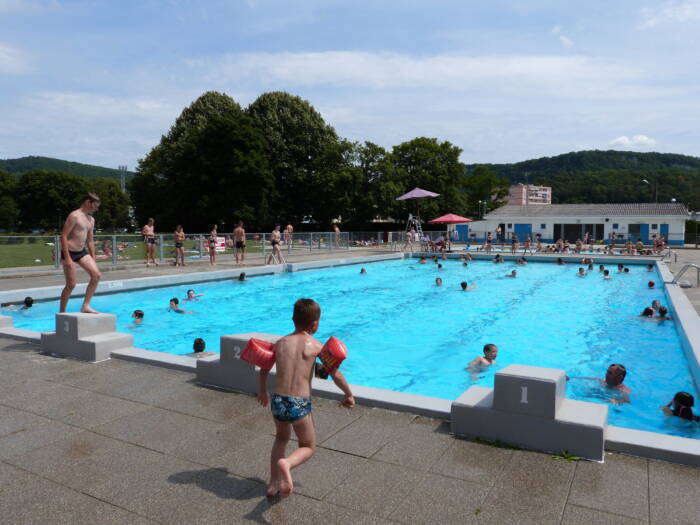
295	355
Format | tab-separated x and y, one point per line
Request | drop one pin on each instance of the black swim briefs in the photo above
240	244
178	245
274	242
151	240
76	256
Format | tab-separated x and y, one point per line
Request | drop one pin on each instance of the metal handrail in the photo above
683	270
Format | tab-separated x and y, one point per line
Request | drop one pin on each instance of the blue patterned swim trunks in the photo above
289	408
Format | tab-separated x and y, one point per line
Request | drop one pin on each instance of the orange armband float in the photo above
333	353
259	353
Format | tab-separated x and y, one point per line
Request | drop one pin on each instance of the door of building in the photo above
522	231
463	232
644	233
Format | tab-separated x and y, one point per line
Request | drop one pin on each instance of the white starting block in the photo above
89	337
228	370
528	407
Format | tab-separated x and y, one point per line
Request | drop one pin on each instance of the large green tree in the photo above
434	166
210	168
9	211
298	142
482	184
45	197
114	207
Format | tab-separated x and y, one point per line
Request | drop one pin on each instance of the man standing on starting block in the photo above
78	246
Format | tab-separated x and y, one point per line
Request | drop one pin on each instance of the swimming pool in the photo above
406	334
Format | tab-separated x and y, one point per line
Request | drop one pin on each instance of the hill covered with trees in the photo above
26	164
593	161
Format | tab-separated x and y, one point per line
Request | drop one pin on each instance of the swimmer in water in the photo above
175	306
192	296
581	273
422	260
438	281
26	305
362	271
648	312
488	359
466	287
663	314
512	274
137	316
681	406
606	274
614	377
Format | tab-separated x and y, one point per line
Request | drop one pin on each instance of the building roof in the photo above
641	209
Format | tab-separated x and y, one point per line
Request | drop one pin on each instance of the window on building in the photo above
654	226
510	226
616	226
543	226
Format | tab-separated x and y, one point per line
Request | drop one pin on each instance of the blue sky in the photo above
101	81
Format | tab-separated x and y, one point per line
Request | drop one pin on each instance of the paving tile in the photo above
252	460
259	421
324	471
210	403
160	429
376	489
674	492
366	435
524	504
536	471
95	409
575	515
437	499
148	387
30	432
52	400
208	442
416	447
472	461
301	510
619	486
27	498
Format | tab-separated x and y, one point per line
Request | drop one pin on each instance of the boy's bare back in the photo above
295	355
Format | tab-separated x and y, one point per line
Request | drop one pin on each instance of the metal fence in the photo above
124	249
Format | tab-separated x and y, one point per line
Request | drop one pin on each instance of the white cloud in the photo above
561	76
12	60
637	140
566	42
671	12
27	6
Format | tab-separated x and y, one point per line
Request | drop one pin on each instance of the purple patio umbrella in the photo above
416	193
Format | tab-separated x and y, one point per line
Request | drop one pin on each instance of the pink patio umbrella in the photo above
450	218
416	193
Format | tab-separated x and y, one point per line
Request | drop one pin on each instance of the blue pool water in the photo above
408	335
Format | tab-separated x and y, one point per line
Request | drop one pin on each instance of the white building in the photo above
529	194
641	221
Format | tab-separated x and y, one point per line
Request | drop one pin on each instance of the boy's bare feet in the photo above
272	489
88	310
285	483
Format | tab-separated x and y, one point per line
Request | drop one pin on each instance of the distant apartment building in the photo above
527	194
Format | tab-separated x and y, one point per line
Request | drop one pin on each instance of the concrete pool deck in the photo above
120	442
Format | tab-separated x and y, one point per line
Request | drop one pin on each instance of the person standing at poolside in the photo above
78	246
239	240
179	238
149	237
288	231
336	235
275	243
212	245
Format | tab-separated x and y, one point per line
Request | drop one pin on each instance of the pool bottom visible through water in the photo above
406	334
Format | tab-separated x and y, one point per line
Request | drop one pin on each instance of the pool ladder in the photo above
683	270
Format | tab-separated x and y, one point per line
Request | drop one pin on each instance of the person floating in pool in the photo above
651	284
650	267
422	260
560	261
26	305
662	314
175	306
614	378
498	258
620	268
241	277
601	268
488	359
512	275
192	296
137	317
465	286
363	271
438	281
648	312
681	406
606	274
581	273
439	267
